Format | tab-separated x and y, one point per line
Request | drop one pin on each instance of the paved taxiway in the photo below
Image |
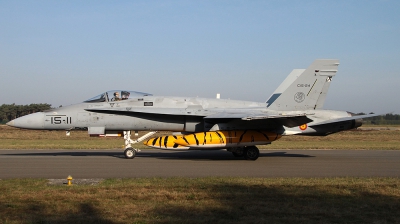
159	163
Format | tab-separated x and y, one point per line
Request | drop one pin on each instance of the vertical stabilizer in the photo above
284	85
307	91
324	92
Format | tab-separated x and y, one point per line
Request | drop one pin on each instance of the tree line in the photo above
387	119
9	112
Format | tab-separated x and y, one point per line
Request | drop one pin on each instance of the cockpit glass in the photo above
100	98
116	95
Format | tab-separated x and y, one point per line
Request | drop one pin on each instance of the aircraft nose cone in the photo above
10	123
30	121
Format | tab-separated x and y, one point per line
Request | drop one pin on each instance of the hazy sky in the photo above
64	52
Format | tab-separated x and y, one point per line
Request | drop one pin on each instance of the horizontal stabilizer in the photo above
346	119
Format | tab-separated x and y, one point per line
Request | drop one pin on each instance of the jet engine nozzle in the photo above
358	123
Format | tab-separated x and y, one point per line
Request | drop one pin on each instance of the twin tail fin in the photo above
305	89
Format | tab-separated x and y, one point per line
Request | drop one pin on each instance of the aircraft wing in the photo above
288	119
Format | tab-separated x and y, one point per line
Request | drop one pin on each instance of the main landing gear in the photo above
248	152
130	152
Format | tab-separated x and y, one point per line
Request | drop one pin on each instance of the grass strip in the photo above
13	138
203	200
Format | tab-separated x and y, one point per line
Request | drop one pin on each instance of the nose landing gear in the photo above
129	151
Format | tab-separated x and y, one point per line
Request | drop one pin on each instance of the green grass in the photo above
13	138
203	200
371	140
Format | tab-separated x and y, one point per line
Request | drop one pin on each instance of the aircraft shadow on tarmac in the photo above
177	155
213	155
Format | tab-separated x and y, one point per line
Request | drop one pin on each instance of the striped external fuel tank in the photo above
218	139
165	142
214	139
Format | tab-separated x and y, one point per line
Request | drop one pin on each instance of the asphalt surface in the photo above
161	163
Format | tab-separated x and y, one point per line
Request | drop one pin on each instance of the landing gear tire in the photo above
236	151
237	154
251	153
130	153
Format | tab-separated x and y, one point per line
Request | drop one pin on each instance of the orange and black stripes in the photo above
214	139
164	142
227	138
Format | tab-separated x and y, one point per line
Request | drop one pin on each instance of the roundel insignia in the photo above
303	127
299	97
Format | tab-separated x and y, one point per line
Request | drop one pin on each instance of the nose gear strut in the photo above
130	152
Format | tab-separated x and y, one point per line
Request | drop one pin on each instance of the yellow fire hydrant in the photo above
69	178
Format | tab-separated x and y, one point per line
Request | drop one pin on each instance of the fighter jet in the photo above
295	108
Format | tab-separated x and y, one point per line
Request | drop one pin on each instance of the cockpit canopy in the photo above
116	95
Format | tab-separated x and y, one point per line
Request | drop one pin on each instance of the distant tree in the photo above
11	111
387	119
